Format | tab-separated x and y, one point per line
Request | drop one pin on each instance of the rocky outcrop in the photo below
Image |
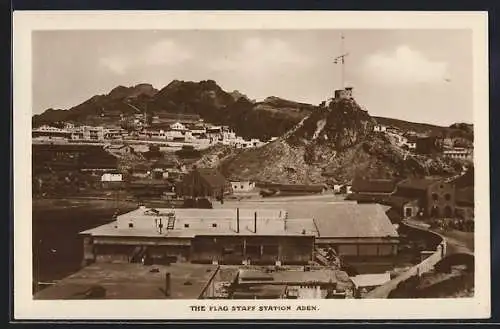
334	143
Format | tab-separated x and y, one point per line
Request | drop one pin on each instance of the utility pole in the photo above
341	60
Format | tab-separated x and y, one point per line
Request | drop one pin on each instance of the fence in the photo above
423	267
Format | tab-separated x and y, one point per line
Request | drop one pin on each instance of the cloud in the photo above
115	64
259	55
404	66
165	52
162	53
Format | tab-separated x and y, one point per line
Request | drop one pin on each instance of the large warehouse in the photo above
224	236
271	235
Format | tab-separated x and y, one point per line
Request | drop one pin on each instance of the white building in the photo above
174	135
242	186
459	153
178	126
111	177
50	133
379	128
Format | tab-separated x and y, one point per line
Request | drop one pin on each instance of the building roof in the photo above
212	176
133	281
361	185
355	221
371	280
417	183
206	222
294	187
290	277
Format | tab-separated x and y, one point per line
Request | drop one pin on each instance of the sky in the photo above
414	75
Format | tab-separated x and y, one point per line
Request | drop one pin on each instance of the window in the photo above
214	225
241	186
447	196
186	225
408	212
130	225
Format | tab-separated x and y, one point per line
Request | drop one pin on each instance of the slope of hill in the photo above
334	143
272	117
101	109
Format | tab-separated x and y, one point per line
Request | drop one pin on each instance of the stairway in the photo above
171	222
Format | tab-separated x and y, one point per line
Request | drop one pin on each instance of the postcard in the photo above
251	165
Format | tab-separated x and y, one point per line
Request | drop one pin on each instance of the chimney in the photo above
255	222
167	284
237	220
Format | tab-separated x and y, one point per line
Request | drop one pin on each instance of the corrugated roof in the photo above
371	280
373	185
355	221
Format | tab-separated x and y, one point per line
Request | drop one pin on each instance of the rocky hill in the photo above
333	144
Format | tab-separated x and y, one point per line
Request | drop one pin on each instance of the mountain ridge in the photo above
271	117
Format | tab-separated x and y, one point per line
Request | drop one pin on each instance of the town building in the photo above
140	170
204	182
411	142
242	186
111	177
465	203
373	186
178	126
355	230
49	133
294	189
164	167
379	128
149	188
306	283
429	145
459	153
364	283
436	198
223	236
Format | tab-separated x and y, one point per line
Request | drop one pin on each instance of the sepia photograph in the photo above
262	169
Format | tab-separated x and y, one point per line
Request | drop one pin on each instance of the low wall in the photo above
423	267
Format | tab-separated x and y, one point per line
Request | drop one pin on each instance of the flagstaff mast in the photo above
341	60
